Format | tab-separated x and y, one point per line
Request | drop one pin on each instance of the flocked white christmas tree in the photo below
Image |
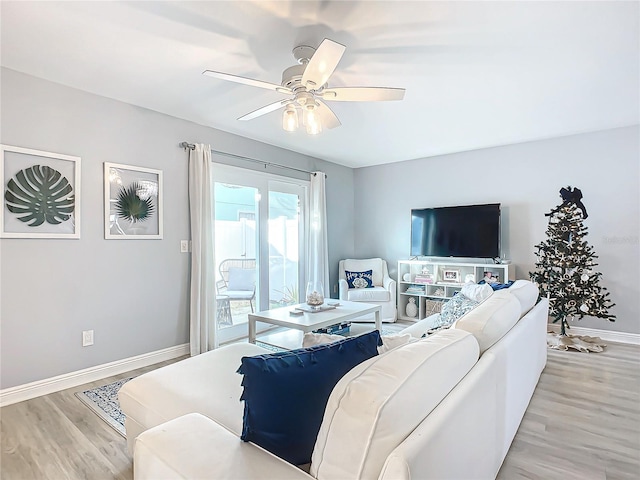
565	266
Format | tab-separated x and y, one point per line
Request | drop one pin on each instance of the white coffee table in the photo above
308	321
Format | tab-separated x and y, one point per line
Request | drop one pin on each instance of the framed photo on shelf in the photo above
40	194
451	275
132	202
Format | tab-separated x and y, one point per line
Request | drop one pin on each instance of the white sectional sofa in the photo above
444	406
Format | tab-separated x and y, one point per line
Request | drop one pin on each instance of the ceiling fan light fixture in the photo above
312	119
290	119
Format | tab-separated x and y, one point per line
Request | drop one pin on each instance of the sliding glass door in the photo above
259	238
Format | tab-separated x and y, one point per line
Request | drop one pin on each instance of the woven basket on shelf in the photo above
433	306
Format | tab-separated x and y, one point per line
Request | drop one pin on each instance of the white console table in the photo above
447	278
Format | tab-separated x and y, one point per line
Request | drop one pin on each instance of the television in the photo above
466	231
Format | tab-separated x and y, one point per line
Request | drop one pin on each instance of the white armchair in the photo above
382	293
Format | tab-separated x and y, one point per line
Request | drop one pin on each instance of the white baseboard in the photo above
606	335
27	391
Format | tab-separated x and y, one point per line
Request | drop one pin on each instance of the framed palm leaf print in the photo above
132	202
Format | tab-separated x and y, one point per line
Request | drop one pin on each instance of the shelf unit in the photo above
446	278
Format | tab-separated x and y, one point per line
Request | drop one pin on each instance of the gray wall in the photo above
525	179
132	293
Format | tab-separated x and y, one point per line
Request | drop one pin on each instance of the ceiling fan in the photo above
306	86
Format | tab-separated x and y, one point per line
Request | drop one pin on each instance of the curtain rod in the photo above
191	146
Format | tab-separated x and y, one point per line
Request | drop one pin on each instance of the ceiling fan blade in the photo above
327	117
264	110
322	64
363	94
248	81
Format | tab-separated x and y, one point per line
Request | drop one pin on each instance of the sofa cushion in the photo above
285	393
183	448
389	342
374	264
527	294
375	406
180	388
418	329
477	291
359	279
375	294
492	319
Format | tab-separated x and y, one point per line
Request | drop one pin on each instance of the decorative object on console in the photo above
359	279
412	308
565	268
406	277
132	202
451	275
469	278
41	194
491	277
285	393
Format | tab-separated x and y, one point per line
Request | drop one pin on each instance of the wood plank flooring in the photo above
583	422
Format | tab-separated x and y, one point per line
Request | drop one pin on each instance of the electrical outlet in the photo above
185	246
87	338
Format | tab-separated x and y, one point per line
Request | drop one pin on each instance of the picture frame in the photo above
133	198
451	275
40	194
491	277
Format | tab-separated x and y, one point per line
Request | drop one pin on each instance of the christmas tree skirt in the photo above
581	343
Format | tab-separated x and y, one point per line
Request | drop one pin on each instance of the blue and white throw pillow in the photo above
454	309
359	279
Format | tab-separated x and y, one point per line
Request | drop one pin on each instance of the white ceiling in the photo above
477	74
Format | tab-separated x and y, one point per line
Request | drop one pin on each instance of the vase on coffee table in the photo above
315	294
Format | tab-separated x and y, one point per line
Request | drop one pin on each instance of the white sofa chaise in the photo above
445	406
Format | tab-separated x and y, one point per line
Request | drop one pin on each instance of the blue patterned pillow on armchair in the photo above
359	279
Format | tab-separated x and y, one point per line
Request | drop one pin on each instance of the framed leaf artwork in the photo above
132	202
40	194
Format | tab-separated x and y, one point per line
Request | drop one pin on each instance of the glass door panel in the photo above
237	269
285	237
259	233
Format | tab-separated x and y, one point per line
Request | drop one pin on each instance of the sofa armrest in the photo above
194	446
343	289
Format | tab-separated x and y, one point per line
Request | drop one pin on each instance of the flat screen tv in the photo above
471	231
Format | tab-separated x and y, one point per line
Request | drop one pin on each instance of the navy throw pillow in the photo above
285	393
359	279
498	286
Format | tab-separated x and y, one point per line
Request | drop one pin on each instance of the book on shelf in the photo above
415	290
423	278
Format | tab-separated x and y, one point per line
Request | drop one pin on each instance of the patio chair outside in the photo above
238	279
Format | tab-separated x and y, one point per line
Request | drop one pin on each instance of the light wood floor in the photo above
583	423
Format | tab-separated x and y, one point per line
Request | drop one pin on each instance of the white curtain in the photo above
318	253
202	305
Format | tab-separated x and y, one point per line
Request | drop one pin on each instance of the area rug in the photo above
103	401
581	343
